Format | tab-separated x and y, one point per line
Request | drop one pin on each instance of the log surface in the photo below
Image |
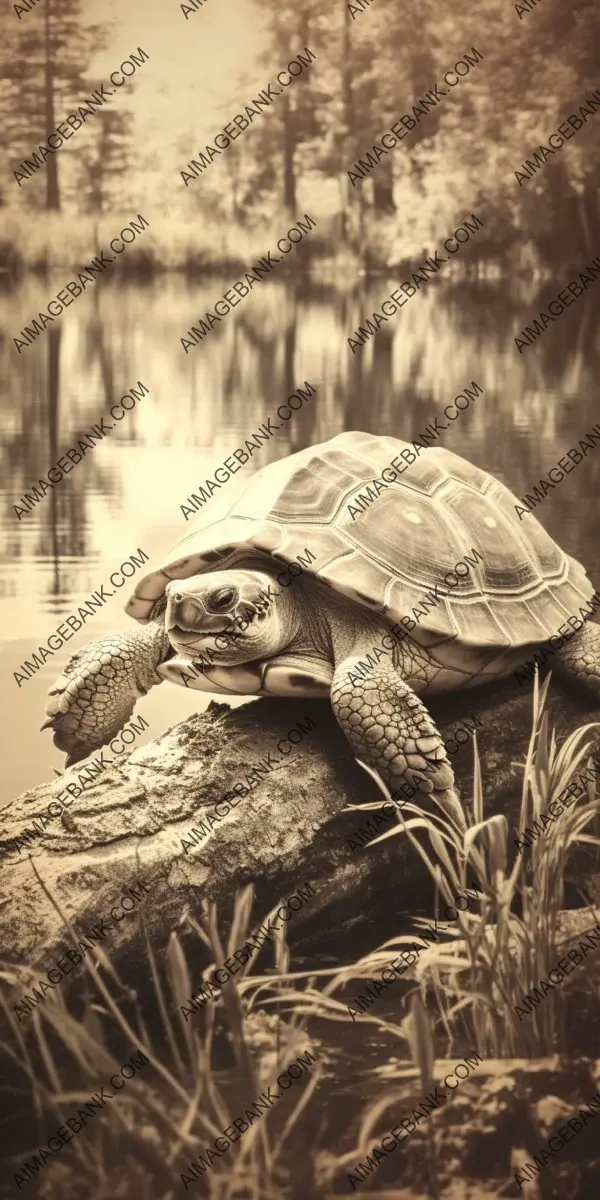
290	829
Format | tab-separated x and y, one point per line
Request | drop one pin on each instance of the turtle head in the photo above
239	614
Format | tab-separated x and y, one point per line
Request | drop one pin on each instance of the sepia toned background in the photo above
294	327
127	159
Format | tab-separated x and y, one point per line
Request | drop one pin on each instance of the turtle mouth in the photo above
181	634
256	611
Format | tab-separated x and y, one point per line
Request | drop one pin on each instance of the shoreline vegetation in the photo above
179	247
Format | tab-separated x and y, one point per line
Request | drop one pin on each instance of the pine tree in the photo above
43	70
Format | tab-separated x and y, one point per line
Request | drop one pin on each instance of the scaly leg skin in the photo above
389	727
97	692
579	659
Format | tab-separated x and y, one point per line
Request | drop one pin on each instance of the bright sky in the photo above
194	63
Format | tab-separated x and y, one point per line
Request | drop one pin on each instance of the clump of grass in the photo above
509	943
167	1116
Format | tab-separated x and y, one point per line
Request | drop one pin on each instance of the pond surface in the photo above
127	491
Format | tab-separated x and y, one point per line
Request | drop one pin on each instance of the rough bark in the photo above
290	829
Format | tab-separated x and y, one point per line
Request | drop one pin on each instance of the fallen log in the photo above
133	824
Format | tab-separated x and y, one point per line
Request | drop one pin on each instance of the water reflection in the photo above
127	491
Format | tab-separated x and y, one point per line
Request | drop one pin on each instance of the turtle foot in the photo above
96	693
389	726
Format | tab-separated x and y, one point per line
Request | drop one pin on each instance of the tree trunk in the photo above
52	189
346	139
289	149
383	190
588	216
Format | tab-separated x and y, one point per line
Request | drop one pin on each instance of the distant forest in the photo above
371	66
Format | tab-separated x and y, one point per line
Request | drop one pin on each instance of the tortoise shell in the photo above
387	557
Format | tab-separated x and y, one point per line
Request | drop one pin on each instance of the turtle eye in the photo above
221	598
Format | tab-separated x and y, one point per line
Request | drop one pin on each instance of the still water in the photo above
127	491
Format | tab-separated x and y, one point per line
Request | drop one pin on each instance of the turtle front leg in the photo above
98	689
390	728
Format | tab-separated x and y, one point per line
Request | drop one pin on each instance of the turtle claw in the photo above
58	701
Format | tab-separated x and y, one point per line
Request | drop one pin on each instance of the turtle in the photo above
377	618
